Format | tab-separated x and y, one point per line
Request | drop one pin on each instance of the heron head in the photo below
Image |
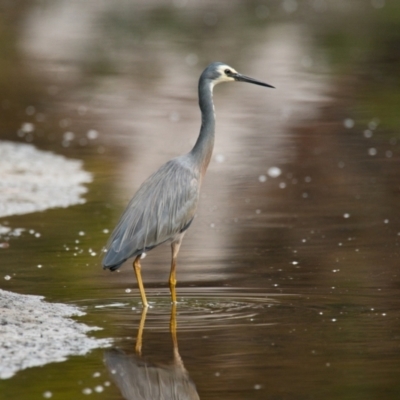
219	72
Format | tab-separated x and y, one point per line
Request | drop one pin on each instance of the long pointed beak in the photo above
243	78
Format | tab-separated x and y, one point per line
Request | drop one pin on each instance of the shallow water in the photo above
288	286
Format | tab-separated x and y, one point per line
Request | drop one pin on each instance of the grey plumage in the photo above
161	209
165	205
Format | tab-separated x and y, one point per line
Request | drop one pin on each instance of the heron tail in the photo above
112	260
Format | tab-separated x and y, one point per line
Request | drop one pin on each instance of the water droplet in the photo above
27	127
368	133
7	277
262	178
64	122
274	172
87	391
30	110
47	394
372	151
174	116
348	123
373	124
68	136
220	158
92	134
346	215
82	110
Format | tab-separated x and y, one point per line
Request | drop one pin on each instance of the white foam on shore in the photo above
34	332
34	180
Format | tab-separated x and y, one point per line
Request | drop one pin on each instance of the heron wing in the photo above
163	207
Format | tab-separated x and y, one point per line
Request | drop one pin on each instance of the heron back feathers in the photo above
161	209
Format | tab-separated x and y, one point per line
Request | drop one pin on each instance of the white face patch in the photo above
223	77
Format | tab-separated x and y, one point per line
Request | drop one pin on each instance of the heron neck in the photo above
203	148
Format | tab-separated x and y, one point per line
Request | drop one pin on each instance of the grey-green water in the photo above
288	287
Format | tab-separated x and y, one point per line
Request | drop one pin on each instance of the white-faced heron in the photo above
165	204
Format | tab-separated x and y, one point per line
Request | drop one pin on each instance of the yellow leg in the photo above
172	276
138	347
136	267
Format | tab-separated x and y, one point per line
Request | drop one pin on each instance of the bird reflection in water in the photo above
139	379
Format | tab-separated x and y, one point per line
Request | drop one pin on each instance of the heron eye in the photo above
228	71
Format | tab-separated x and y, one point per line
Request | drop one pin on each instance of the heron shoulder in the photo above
174	176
